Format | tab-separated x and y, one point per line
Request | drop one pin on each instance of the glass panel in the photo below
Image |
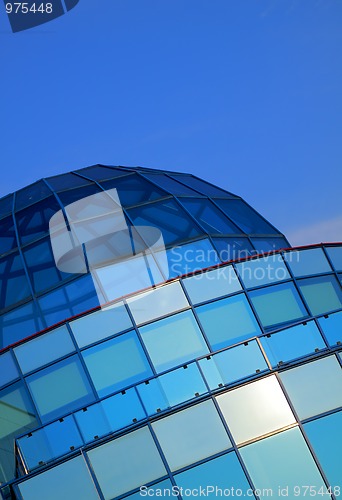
255	409
236	363
92	422
123	409
33	222
314	387
325	435
292	343
60	388
164	488
156	303
191	435
209	216
221	474
116	363
44	349
76	194
332	327
31	194
152	396
233	248
133	189
67	181
50	442
101	324
6	205
212	284
245	217
126	463
281	463
278	304
269	244
8	239
335	255
59	482
228	321
17	416
262	271
182	384
101	172
306	262
14	285
174	340
8	370
322	294
201	185
20	323
171	185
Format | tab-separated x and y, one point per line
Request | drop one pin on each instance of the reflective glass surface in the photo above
31	194
123	409
191	435
209	216
171	185
227	321
262	271
306	262
200	185
232	248
183	384
335	255
173	340
67	181
19	323
154	490
14	285
332	327
100	172
8	240
152	396
92	422
245	217
262	245
133	189
322	294
33	222
314	387
8	370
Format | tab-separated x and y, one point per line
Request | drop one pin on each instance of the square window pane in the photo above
314	387
232	248
209	216
278	304
255	409
123	409
335	255
19	323
262	271
92	422
306	262
228	321
8	370
116	363
126	463
212	284
322	294
44	349
282	461
152	396
332	327
191	435
173	340
101	324
156	303
60	388
183	384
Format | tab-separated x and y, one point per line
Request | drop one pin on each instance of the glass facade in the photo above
201	371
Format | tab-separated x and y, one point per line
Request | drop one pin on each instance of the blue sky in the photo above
244	93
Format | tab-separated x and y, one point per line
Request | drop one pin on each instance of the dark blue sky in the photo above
245	93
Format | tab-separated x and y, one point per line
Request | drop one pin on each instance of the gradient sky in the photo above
244	93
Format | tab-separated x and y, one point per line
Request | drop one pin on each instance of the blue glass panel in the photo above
212	284
20	323
228	321
60	388
153	397
72	195
174	223
200	185
6	205
14	286
183	384
8	369
233	248
292	343
66	181
263	245
221	474
261	271
31	194
209	216
33	222
117	363
325	435
133	190
123	409
92	422
50	442
278	304
160	489
335	255
245	217
8	239
322	294
332	327
282	461
174	340
101	172
306	262
170	185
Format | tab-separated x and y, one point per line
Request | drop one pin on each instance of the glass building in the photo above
203	359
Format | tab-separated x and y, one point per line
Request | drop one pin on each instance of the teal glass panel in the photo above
60	482
236	363
182	384
212	284
257	272
228	321
116	363
60	388
50	442
291	343
332	327
101	324
314	387
220	474
322	294
123	409
335	255
92	422
255	409
8	370
17	416
278	304
307	262
174	340
44	349
325	435
281	463
191	435
152	396
156	303
161	489
126	463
